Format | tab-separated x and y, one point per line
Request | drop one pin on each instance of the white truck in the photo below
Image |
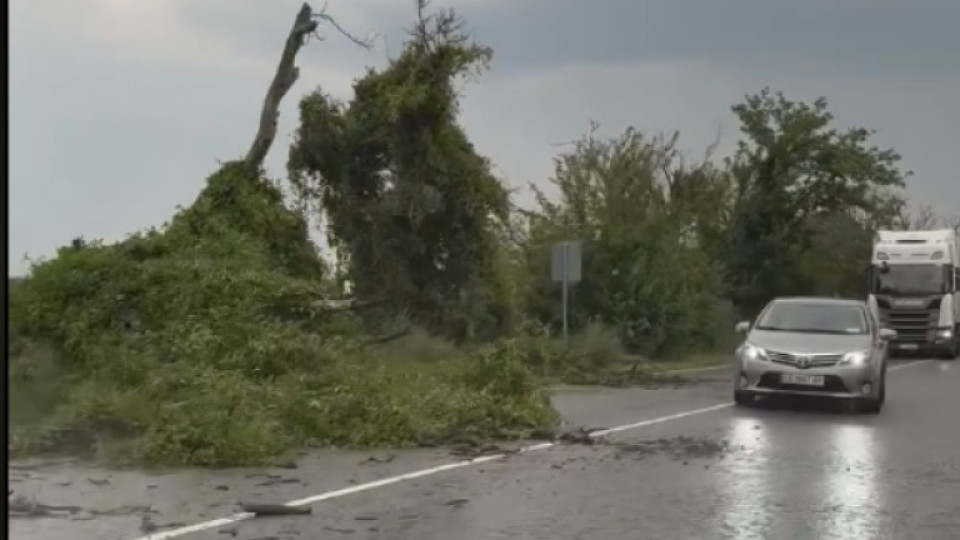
914	288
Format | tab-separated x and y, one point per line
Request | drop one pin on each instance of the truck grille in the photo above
804	361
912	325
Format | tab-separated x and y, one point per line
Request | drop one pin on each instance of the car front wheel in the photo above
875	404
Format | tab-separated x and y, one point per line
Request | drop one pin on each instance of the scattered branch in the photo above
379	340
350	304
275	509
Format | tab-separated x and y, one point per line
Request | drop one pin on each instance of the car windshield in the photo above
905	279
814	318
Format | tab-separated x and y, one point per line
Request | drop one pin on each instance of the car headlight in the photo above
945	333
752	352
857	358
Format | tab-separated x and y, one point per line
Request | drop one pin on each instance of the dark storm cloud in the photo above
866	35
869	36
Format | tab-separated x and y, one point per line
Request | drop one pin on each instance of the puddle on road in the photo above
746	506
830	485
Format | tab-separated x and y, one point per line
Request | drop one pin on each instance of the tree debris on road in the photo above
263	509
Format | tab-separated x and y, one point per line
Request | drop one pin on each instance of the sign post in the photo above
565	268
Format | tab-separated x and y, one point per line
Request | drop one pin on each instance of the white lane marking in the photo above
908	364
662	419
359	488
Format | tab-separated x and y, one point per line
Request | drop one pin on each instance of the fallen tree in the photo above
212	340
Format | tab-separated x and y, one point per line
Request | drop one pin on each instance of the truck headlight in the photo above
945	333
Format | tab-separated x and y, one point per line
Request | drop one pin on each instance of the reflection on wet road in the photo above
851	485
782	470
775	489
747	484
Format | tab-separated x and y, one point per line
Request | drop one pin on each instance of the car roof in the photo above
822	300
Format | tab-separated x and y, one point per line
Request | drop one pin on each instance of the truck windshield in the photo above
906	279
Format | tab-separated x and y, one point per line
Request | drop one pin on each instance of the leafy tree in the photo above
413	211
793	169
640	212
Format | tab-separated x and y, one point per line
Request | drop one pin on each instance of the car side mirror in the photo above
742	327
887	334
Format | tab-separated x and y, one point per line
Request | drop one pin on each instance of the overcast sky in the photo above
119	109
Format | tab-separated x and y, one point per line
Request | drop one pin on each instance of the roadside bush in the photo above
205	343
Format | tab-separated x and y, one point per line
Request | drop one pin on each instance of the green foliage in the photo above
413	211
205	344
639	211
793	170
673	250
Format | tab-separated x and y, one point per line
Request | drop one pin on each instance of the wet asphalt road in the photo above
786	470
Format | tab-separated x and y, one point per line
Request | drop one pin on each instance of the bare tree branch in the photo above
365	43
953	223
923	219
304	25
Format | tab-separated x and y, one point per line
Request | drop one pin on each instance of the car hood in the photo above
804	343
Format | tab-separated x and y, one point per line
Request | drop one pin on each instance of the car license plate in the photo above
908	346
805	380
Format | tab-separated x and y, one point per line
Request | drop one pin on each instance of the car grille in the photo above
832	384
805	361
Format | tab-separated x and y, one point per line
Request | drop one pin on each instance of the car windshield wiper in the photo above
771	328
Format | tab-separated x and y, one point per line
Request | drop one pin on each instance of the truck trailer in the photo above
914	288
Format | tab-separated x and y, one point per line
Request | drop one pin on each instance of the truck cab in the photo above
913	288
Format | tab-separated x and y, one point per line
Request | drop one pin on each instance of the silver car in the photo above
826	347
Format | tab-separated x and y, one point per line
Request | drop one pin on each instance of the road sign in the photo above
565	268
565	262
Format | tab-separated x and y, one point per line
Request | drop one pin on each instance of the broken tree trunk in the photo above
283	80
